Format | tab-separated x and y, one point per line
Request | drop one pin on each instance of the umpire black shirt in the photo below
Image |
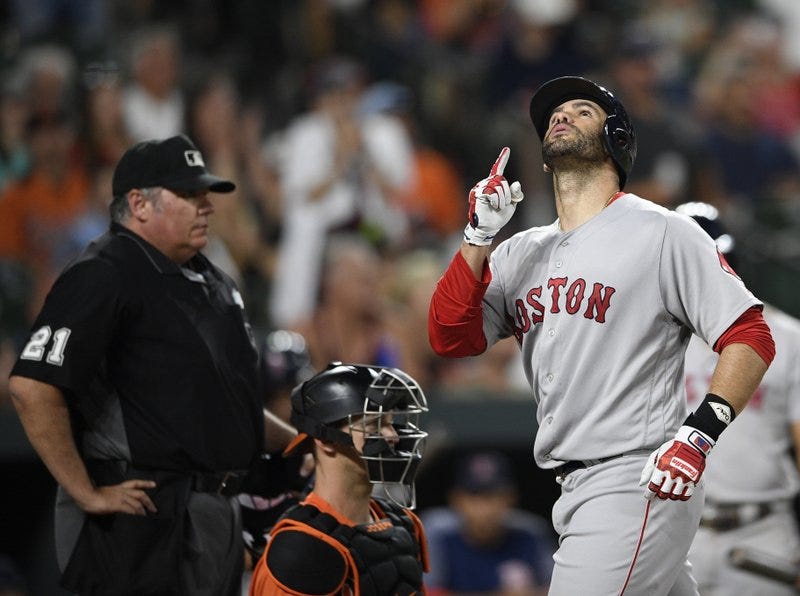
156	360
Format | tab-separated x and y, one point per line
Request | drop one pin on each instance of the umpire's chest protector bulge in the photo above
186	327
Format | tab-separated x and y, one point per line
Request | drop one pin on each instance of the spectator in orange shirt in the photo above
36	210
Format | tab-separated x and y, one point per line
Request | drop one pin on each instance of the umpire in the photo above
138	388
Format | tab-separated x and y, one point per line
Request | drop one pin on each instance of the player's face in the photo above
372	426
178	224
574	132
361	428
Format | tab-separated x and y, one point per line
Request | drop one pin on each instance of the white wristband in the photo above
697	439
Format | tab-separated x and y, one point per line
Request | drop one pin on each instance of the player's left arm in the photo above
746	350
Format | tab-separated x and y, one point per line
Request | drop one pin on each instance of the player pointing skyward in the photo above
603	302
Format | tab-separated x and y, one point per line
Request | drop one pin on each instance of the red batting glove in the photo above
673	470
492	202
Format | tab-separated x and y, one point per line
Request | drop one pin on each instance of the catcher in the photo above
361	424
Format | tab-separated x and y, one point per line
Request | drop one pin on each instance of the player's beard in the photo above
577	152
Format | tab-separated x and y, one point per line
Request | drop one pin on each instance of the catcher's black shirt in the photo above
156	360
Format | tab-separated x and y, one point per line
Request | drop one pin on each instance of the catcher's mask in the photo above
365	399
619	137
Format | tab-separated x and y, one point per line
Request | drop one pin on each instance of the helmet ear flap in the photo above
620	142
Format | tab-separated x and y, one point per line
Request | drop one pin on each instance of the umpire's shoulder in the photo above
306	563
92	269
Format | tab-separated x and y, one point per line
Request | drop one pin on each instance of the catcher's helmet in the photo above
619	137
284	361
708	217
365	398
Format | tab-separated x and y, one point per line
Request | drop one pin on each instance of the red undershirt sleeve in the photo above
750	329
455	317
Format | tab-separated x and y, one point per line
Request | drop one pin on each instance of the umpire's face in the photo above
177	224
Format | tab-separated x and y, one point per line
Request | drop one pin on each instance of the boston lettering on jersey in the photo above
574	298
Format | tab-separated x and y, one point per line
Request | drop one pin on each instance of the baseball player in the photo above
752	478
602	303
361	424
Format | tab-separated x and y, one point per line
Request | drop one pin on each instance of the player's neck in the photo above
580	198
350	497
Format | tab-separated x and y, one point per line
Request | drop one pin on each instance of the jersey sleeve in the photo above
74	329
297	562
455	323
698	286
496	320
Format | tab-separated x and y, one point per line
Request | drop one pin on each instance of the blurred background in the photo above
354	130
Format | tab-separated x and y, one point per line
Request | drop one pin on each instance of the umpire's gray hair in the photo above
119	210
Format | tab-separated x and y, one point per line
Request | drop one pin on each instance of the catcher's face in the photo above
575	131
373	426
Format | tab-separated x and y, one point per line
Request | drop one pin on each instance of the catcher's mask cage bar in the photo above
393	398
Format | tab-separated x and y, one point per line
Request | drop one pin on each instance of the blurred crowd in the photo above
354	129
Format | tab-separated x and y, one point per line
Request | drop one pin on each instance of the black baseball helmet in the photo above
284	361
363	397
709	219
619	137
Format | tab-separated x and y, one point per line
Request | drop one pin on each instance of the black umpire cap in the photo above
174	163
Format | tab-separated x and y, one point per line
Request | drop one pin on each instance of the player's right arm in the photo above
455	321
476	258
44	415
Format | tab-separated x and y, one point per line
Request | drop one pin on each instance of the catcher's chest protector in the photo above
386	555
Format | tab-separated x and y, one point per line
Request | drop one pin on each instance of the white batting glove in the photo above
492	202
673	470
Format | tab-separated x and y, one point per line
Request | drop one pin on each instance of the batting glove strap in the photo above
712	416
690	435
673	470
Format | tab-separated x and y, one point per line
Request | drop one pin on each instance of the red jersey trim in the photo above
615	196
638	548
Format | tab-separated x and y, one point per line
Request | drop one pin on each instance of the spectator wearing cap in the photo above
138	387
481	543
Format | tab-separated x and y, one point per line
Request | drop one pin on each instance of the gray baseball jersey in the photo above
752	462
603	314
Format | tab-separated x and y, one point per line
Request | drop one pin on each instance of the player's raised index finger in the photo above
500	165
